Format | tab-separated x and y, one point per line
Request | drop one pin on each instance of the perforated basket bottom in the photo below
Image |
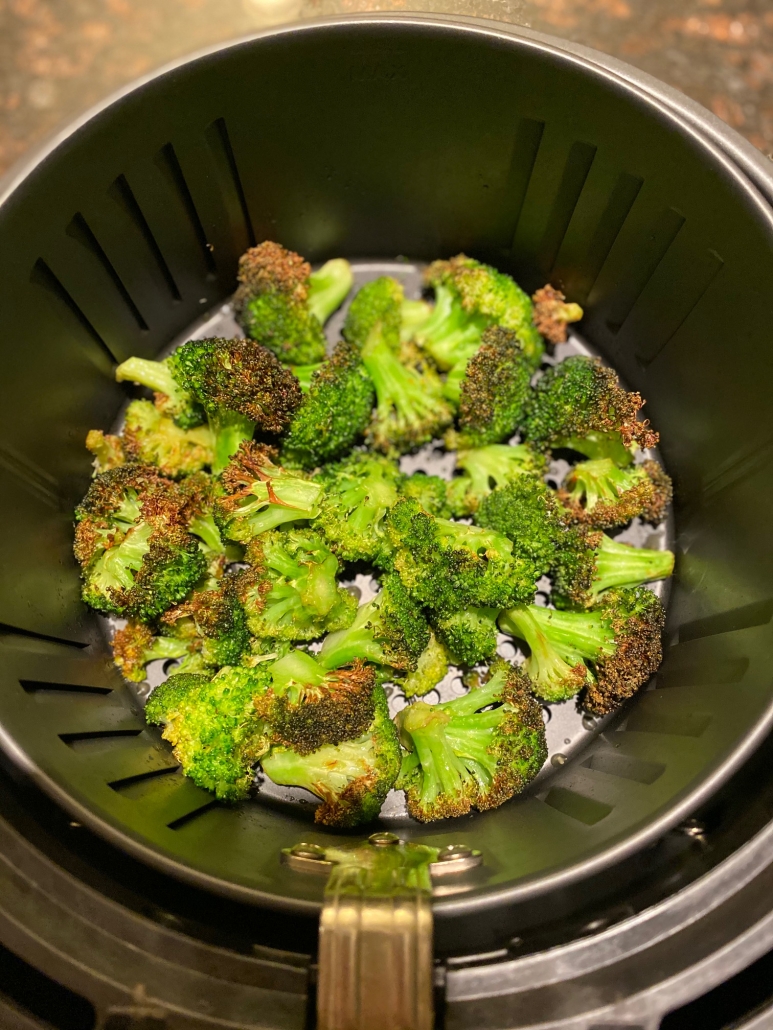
568	730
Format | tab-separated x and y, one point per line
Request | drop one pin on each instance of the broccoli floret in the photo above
526	511
588	563
448	566
108	450
153	438
172	397
580	404
449	334
289	589
552	313
486	468
389	630
334	413
601	495
308	706
358	492
283	304
261	495
461	757
132	542
136	645
431	668
202	491
470	635
430	491
217	735
352	778
410	409
494	296
413	316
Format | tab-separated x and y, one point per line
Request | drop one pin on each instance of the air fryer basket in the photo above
390	136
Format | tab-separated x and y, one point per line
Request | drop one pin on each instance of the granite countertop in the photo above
57	57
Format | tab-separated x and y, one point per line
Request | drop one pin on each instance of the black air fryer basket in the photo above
375	139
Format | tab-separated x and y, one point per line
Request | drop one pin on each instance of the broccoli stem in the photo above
601	481
304	373
621	565
397	386
327	288
165	647
156	375
574	635
478	697
230	429
343	646
596	445
294	673
449	335
325	772
205	527
497	461
443	771
474	538
114	569
413	315
283	499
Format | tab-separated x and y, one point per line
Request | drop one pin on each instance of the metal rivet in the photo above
383	839
313	851
453	851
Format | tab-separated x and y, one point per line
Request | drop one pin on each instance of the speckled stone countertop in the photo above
57	57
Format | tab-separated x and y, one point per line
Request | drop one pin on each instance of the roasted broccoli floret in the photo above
431	668
389	630
448	566
601	495
526	511
352	778
172	397
334	413
289	589
413	315
430	491
470	636
217	735
283	304
108	450
136	645
552	313
494	296
410	409
261	495
132	542
358	492
588	563
447	332
465	754
486	468
579	404
308	706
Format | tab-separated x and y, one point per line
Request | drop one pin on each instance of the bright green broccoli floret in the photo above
461	757
448	566
470	635
588	563
352	778
308	706
136	645
289	589
153	439
389	630
431	668
526	511
579	404
430	491
132	542
283	304
601	495
213	726
358	492
484	469
173	399
334	413
448	333
261	495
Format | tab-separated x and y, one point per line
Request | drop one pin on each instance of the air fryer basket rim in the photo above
687	118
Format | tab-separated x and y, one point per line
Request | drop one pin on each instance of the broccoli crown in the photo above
552	314
580	404
334	413
495	391
261	495
308	706
470	635
448	566
212	724
587	563
431	668
285	327
484	291
172	397
271	268
390	630
526	511
448	333
215	622
352	778
463	757
430	491
377	304
559	645
358	492
132	542
152	438
289	588
601	495
486	468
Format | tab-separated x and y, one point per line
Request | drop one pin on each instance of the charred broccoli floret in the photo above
431	668
552	313
389	630
601	495
486	468
430	491
410	409
308	706
352	778
283	304
470	635
217	735
289	589
358	492
463	757
526	511
588	562
136	645
132	543
448	566
261	495
334	413
580	404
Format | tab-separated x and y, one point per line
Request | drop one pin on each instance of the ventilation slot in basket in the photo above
167	158
42	276
220	143
122	193
578	165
